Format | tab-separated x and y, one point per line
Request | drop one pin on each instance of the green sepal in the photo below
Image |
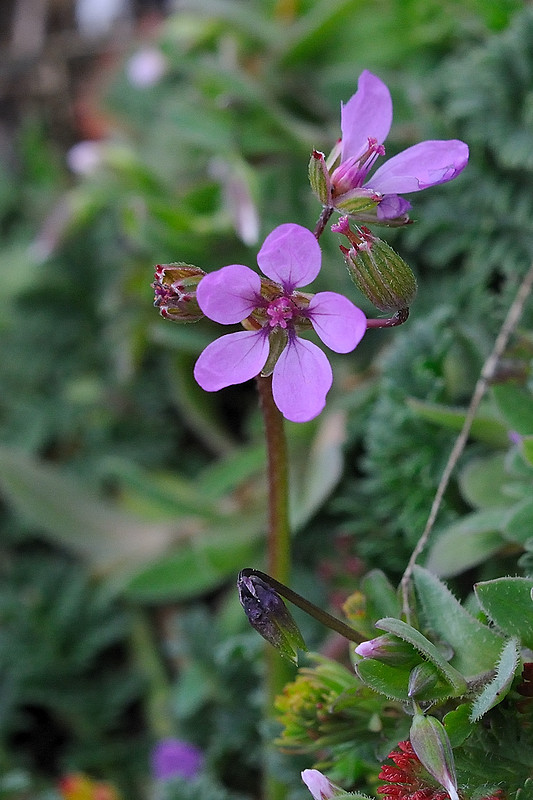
278	342
428	650
432	746
422	679
495	691
382	275
507	602
357	201
319	177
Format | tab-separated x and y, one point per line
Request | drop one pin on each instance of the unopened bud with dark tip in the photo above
432	746
268	614
175	291
319	177
376	269
389	649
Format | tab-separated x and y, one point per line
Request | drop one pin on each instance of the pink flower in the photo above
274	313
365	123
320	787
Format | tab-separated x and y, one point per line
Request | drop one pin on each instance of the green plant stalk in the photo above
158	689
278	671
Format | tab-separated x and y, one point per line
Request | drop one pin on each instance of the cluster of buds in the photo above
175	291
376	269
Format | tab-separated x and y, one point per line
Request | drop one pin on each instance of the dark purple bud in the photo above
268	614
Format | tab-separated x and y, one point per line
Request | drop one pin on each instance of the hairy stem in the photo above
322	221
399	318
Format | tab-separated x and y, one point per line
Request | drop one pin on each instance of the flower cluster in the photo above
408	779
274	311
342	181
274	314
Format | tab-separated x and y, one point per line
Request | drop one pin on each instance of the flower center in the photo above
351	174
162	293
280	312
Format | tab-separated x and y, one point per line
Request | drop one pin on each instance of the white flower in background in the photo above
95	18
146	67
85	157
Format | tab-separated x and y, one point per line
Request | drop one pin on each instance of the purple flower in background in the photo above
365	123
273	314
172	758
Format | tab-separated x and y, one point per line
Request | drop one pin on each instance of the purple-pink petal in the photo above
320	787
291	256
420	166
230	294
392	206
234	358
339	323
301	380
368	113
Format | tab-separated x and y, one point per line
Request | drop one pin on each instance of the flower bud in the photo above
175	291
320	787
389	649
268	614
319	177
432	746
423	677
376	269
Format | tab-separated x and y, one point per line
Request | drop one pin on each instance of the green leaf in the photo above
376	598
228	473
322	470
426	648
486	427
199	565
60	508
496	690
507	602
482	482
516	406
458	725
391	681
464	544
381	597
518	523
527	448
476	647
526	792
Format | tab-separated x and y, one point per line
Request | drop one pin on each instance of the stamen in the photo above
280	311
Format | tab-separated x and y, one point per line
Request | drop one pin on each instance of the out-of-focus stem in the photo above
278	551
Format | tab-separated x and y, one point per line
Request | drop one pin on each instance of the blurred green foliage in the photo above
125	487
